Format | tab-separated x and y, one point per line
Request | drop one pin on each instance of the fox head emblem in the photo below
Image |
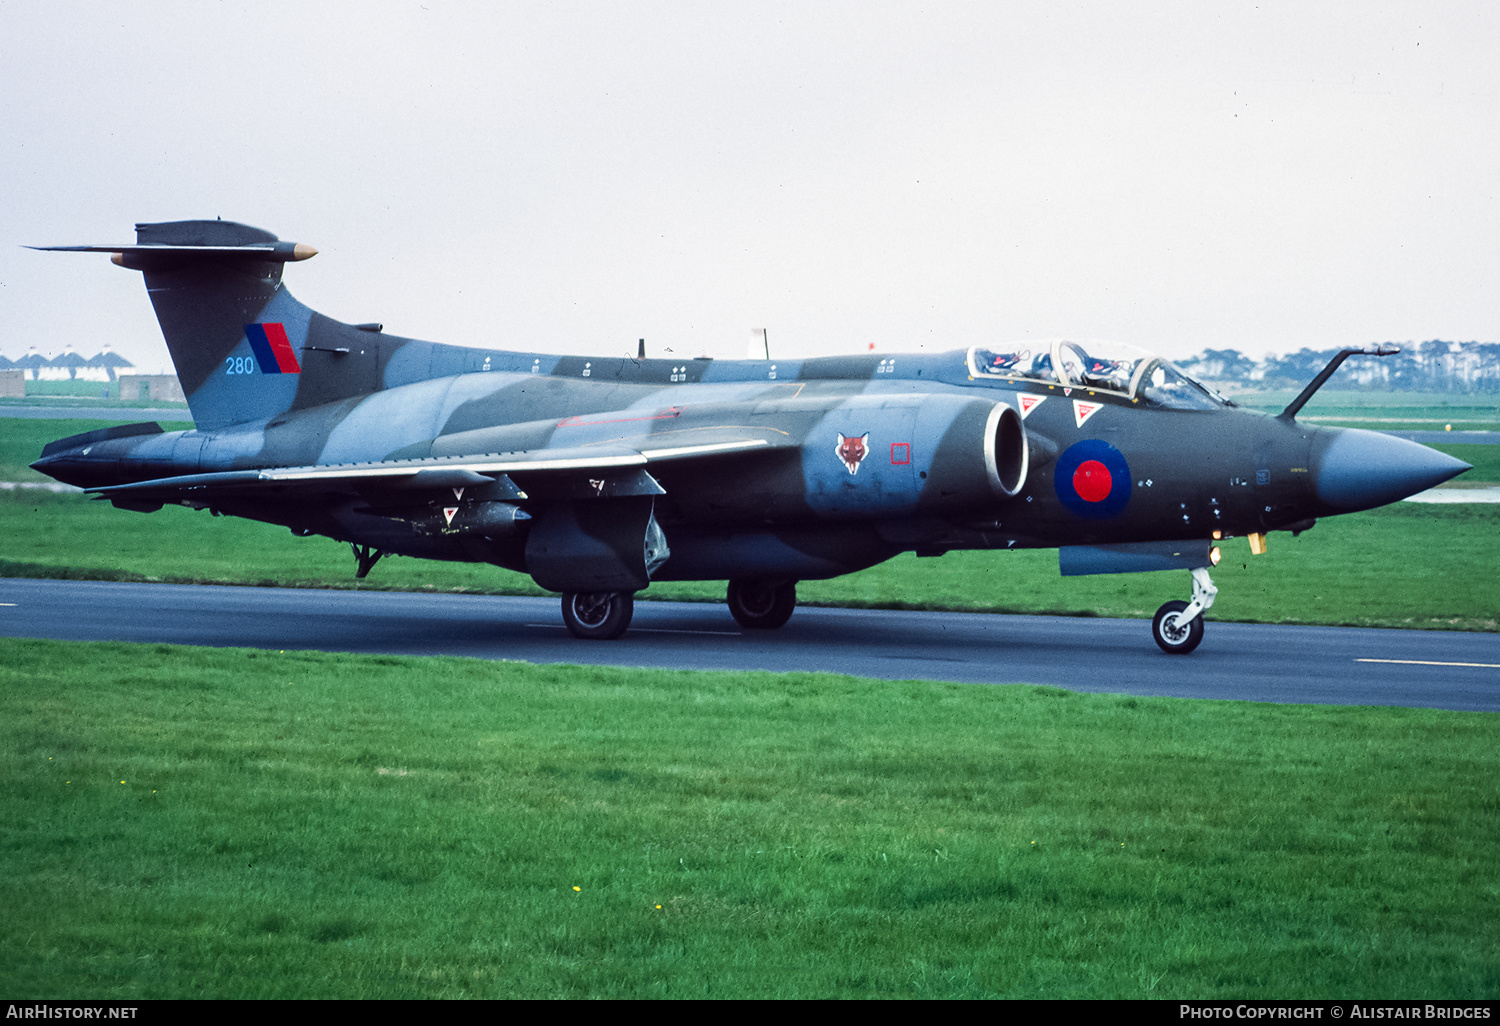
853	450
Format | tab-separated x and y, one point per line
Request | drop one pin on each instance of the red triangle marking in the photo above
1029	403
449	511
1082	411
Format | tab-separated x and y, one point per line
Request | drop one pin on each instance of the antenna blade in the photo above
760	345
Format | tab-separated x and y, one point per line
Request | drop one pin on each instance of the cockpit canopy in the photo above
1110	367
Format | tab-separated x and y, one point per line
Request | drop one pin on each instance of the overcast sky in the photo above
570	177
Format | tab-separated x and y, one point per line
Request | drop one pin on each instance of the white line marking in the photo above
647	630
676	630
7	603
41	486
1429	662
691	450
1456	495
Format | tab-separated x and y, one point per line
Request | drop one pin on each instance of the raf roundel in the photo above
1092	479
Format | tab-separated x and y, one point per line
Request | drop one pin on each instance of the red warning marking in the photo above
449	511
1092	481
1029	403
900	454
1082	411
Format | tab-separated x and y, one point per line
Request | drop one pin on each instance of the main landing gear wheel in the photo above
597	615
1173	635
762	605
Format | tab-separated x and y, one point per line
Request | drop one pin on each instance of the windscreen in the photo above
1110	367
1031	363
1165	385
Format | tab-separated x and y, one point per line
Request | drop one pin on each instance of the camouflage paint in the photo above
738	464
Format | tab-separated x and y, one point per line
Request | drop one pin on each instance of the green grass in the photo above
1406	565
217	823
71	387
1483	459
90	393
1385	411
22	441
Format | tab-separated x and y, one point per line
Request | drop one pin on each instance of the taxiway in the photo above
1256	662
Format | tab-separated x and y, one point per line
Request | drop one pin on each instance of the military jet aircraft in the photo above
598	476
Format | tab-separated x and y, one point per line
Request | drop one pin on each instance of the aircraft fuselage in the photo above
598	475
1189	473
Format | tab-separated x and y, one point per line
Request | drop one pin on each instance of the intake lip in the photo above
1006	454
1363	469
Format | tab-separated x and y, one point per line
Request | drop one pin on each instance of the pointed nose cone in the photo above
1364	469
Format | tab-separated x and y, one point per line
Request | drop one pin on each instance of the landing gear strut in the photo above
366	556
1178	626
597	615
762	605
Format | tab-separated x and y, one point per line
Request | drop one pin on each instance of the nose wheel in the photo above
1176	635
1178	626
597	615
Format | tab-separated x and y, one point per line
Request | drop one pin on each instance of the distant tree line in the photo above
1434	366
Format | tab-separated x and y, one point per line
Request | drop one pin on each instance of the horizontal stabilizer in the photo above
100	435
139	257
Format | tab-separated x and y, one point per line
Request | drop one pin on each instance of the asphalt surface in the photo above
1325	665
1257	662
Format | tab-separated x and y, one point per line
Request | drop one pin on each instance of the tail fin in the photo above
244	349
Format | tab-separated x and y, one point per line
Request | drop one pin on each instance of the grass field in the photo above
81	393
22	440
218	823
1386	411
1407	565
80	389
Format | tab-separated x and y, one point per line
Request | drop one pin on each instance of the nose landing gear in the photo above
1178	626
